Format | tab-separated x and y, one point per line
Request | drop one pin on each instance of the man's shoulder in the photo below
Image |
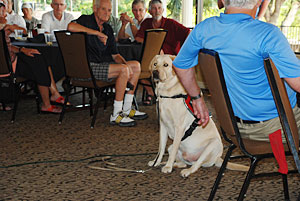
47	14
147	22
68	15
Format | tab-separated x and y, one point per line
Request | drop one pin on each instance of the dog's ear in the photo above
152	62
172	57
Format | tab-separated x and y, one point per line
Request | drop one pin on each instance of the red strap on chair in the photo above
278	151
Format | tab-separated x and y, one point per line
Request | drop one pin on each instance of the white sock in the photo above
127	102
117	107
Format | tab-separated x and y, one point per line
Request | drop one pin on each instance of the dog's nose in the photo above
155	74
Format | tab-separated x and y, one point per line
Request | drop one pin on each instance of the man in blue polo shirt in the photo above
243	43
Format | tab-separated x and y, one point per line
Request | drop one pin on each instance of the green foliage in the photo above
125	6
174	7
86	8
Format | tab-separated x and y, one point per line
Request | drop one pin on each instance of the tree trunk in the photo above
272	17
289	19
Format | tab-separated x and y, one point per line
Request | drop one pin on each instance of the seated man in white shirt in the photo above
57	19
130	26
14	19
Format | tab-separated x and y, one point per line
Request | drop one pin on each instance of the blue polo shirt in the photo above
243	43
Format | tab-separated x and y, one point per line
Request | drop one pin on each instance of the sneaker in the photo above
135	114
122	119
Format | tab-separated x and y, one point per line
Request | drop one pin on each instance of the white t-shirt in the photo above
14	18
50	23
128	27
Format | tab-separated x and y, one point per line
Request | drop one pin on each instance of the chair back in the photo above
210	63
153	42
284	108
74	52
5	60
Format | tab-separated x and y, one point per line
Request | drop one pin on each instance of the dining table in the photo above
130	51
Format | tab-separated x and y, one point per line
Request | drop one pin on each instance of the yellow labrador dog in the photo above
203	147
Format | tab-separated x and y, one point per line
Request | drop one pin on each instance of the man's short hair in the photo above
138	1
97	3
154	2
248	4
53	1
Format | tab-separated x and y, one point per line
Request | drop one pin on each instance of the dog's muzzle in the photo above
155	74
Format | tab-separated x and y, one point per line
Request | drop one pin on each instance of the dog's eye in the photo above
155	64
166	65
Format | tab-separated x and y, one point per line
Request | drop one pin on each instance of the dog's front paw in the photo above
166	169
186	172
151	163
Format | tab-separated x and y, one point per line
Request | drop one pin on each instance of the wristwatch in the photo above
196	97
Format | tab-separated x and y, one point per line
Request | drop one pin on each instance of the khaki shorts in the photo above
260	131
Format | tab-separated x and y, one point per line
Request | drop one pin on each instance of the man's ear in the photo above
94	8
254	9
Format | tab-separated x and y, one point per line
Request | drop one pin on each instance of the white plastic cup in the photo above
41	31
18	33
48	39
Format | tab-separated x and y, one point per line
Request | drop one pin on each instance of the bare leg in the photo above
134	77
121	73
148	89
53	89
44	91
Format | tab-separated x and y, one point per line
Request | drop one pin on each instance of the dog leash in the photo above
109	166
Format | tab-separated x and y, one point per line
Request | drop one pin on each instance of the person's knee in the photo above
125	72
136	67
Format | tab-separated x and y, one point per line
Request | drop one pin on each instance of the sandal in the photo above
150	100
5	108
60	101
52	110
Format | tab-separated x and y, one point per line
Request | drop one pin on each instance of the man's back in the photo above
243	43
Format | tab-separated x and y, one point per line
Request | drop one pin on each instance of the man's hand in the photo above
201	111
119	59
102	37
13	27
125	18
30	52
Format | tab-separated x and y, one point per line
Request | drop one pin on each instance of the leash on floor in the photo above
109	166
105	156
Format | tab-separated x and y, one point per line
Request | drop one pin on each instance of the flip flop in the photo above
52	110
150	100
60	101
5	108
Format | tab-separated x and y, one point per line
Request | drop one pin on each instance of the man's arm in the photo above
188	80
75	27
294	83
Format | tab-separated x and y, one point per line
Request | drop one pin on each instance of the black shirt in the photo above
97	51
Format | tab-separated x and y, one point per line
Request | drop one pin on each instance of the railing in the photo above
293	36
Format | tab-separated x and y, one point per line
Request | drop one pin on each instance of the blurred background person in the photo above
13	18
177	33
31	22
115	24
57	19
130	26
